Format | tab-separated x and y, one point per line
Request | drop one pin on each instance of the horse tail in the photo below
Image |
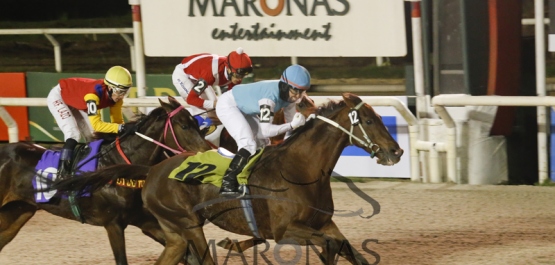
92	181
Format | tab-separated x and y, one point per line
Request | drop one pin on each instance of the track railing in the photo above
442	101
48	33
153	102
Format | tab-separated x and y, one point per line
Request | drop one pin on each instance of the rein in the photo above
121	153
353	116
168	124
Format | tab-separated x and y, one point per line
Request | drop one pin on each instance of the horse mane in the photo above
326	110
140	119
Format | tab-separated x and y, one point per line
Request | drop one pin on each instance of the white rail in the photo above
441	101
153	102
13	132
57	48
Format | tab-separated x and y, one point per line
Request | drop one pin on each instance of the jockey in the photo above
75	103
196	75
247	112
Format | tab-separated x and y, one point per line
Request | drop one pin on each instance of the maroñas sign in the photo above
275	27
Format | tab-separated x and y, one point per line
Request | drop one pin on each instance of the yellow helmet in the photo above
118	77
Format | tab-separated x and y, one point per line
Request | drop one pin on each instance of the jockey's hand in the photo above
126	129
298	121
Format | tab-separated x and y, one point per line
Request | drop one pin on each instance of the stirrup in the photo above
241	191
229	190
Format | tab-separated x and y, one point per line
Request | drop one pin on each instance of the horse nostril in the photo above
397	152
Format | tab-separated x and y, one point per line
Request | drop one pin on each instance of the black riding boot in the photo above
230	186
65	157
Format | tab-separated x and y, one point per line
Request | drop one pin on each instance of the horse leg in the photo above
197	244
178	244
329	238
152	229
240	246
117	242
304	235
13	216
346	250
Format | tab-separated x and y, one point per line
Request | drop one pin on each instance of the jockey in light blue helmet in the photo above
294	81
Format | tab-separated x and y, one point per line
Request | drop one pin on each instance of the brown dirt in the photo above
418	224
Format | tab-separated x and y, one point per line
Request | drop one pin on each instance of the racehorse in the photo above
112	207
289	187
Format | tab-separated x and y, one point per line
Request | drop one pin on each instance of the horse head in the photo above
377	140
181	129
306	106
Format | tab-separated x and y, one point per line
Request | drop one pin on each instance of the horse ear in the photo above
165	105
306	106
174	102
351	99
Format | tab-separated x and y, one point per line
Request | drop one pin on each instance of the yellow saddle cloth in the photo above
210	167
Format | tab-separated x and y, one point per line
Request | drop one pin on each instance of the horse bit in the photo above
353	116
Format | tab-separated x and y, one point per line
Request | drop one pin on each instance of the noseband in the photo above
355	122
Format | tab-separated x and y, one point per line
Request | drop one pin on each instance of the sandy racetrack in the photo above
418	224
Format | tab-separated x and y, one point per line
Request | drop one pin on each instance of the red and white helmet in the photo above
239	62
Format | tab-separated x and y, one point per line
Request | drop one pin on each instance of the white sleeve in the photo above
184	87
210	98
266	117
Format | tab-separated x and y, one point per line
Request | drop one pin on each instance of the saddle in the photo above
83	160
209	168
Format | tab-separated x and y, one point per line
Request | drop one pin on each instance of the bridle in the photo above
168	124
355	122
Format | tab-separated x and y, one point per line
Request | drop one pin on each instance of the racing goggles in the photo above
295	91
240	72
119	90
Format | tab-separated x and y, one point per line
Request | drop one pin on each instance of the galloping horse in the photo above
111	207
289	187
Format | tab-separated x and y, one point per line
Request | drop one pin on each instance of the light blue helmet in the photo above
296	76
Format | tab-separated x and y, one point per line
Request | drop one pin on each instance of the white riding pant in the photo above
72	126
184	85
245	129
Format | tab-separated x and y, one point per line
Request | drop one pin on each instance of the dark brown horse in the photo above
112	207
289	187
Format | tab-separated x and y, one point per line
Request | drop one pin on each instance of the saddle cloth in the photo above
47	168
209	167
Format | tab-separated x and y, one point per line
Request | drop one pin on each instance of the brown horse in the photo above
289	187
112	207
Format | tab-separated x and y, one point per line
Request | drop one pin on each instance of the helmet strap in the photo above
110	92
283	91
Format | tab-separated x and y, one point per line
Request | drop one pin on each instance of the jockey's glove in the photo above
126	129
298	121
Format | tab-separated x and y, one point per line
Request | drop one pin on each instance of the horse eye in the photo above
369	122
184	127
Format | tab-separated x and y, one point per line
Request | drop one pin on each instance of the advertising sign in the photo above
313	28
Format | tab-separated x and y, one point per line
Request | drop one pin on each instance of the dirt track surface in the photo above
418	224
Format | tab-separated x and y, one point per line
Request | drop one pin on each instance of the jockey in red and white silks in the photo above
196	75
247	113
